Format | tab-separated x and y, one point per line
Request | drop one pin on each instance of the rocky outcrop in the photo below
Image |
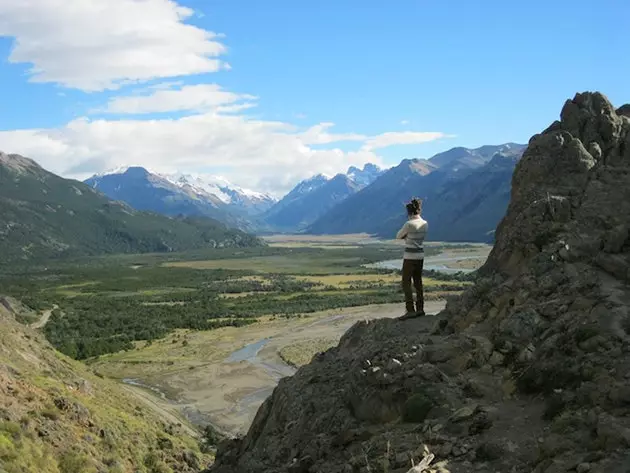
528	371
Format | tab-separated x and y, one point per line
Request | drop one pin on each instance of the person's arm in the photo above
402	233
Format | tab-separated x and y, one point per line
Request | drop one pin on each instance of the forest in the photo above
107	304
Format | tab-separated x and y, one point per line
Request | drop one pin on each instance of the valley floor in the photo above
226	374
203	337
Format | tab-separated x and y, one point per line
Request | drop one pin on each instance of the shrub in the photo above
76	462
417	408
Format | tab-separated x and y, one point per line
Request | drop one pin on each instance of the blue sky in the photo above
471	73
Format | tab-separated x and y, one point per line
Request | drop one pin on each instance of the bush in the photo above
210	438
417	408
51	413
75	462
154	464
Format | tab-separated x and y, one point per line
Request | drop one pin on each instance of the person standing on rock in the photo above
413	232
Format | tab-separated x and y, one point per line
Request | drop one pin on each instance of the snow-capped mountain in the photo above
250	201
312	197
183	195
366	176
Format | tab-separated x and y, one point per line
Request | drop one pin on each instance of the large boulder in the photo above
529	370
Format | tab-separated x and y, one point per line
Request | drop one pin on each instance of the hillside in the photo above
465	195
301	212
43	215
527	371
182	195
312	198
58	417
468	209
466	158
366	210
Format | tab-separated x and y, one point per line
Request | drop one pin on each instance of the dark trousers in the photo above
412	270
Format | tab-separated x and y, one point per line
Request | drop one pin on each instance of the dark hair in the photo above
414	207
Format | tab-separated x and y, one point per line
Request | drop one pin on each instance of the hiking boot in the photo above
408	315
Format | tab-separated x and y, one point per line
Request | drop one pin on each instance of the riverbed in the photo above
454	258
224	375
236	369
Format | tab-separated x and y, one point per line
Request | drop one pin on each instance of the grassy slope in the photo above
43	215
57	417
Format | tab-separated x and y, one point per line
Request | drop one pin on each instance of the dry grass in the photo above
325	246
301	353
348	239
295	264
344	281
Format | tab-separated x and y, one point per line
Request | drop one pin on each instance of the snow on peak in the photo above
116	170
364	176
215	185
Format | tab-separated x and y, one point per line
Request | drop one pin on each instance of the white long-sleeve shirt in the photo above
414	231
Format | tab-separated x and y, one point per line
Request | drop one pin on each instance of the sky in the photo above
267	93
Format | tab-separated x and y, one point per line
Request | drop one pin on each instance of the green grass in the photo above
286	264
87	430
108	304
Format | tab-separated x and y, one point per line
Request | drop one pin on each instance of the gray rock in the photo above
615	239
464	413
394	365
558	271
496	359
583	468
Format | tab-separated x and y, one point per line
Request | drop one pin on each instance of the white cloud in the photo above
318	135
98	45
200	97
262	155
94	45
404	122
402	138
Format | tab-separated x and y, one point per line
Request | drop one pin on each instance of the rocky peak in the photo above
18	163
568	172
527	371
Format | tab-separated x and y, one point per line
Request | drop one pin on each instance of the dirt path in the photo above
41	323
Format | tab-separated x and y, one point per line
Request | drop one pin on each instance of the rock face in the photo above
528	371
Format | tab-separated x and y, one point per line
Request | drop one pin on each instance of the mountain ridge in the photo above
379	208
43	216
186	194
312	197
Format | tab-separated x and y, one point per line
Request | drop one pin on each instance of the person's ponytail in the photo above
414	207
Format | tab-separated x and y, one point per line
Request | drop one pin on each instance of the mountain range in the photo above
215	197
313	197
465	193
43	215
183	194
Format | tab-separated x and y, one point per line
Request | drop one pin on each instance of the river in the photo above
445	262
228	392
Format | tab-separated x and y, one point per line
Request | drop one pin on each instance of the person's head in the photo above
414	207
